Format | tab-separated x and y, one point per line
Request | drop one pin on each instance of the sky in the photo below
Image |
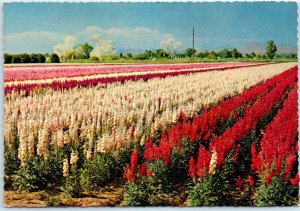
37	27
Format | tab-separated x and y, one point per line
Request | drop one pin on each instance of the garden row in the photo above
48	146
220	162
25	87
38	72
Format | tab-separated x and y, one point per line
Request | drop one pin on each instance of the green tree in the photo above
189	52
15	59
161	53
33	58
7	58
87	49
202	54
149	54
25	58
54	58
212	55
225	53
41	58
235	53
271	49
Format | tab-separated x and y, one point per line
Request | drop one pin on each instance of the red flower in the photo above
238	149
291	159
251	181
134	161
143	169
192	168
149	173
295	181
203	162
239	183
207	136
269	177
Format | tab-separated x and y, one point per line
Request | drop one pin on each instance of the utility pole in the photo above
193	42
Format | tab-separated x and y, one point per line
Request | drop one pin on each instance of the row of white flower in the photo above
104	116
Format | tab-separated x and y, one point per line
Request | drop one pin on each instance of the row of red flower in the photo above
279	146
204	124
229	139
57	85
38	72
222	145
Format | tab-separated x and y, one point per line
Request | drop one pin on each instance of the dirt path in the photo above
111	195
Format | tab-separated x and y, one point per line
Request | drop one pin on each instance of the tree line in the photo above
86	49
30	58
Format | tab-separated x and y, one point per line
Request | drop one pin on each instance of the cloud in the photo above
31	41
128	38
139	38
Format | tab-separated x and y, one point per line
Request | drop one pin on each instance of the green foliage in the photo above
271	49
277	193
95	59
38	173
146	191
7	58
97	172
212	55
71	186
225	53
217	189
87	49
54	58
189	52
160	174
24	180
235	53
11	160
205	193
15	59
136	194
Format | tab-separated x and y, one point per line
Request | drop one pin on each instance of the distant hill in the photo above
260	48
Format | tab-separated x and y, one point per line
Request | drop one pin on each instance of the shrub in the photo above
97	172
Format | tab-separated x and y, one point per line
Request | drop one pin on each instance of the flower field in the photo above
198	134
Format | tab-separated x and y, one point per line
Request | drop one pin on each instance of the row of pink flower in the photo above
200	127
57	85
46	72
279	146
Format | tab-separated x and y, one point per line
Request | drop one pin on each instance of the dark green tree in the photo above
161	53
202	54
235	53
54	58
7	58
25	58
149	54
225	53
189	52
212	55
271	49
41	58
16	59
87	49
33	58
